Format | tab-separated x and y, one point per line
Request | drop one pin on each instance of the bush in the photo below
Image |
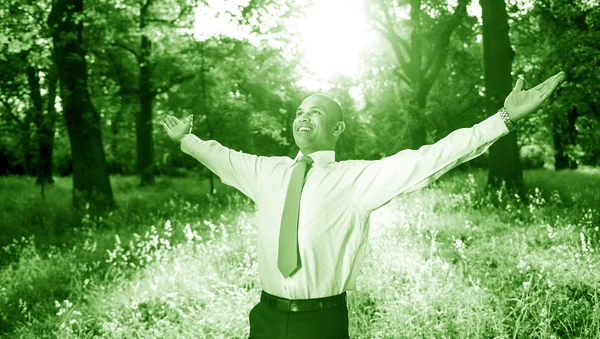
534	156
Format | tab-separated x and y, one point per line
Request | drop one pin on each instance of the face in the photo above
317	125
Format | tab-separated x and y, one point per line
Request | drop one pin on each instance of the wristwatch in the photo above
509	123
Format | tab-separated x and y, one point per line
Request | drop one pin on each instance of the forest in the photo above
109	230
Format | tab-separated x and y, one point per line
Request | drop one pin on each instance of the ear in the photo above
339	128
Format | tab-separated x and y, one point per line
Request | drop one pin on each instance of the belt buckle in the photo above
283	304
287	305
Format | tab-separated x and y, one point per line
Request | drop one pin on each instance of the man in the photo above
310	250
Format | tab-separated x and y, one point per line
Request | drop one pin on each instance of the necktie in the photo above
288	259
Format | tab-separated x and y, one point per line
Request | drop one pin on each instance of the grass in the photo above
172	262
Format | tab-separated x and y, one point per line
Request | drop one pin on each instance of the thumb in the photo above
519	85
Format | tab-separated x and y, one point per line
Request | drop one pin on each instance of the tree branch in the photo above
399	45
438	58
393	39
128	49
390	27
174	81
402	76
184	10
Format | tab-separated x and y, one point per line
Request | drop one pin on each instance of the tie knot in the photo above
305	158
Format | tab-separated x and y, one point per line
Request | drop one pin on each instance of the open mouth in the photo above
304	129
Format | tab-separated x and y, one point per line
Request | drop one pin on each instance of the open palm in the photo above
519	103
176	129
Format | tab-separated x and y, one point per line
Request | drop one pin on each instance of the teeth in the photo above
304	129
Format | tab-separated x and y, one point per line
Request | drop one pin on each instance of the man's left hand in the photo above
519	103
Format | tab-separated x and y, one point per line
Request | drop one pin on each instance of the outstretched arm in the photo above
377	182
236	169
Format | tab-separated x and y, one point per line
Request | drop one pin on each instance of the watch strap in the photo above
507	121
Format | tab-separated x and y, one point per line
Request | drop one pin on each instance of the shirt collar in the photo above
321	158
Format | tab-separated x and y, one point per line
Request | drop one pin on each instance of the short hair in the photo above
339	112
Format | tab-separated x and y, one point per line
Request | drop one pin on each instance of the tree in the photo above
549	37
13	99
33	74
420	63
145	30
91	185
573	38
44	116
504	164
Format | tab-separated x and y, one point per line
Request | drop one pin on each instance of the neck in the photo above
309	151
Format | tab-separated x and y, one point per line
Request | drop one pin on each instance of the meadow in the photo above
452	260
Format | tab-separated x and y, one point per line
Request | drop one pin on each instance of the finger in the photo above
542	86
177	121
518	85
173	120
167	122
553	86
165	126
554	80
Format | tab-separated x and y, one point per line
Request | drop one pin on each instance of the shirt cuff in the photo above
493	127
187	141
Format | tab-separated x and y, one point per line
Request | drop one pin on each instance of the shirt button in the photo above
285	287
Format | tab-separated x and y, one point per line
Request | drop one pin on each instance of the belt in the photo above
301	305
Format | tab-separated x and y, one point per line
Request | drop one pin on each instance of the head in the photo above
325	119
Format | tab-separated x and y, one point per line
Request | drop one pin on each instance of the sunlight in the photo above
331	36
214	17
334	32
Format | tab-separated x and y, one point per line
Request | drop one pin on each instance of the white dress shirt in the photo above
337	200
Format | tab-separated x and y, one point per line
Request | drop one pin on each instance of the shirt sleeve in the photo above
236	169
377	182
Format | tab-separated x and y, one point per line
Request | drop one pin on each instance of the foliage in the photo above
243	90
550	37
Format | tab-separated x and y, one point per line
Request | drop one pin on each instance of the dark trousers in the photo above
324	323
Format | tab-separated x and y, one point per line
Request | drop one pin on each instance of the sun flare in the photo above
334	32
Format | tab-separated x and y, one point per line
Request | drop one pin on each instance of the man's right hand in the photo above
177	129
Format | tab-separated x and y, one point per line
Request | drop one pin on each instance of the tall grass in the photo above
450	261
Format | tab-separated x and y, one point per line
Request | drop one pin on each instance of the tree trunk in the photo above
46	131
205	109
91	184
116	166
418	130
563	139
505	165
34	115
145	150
27	144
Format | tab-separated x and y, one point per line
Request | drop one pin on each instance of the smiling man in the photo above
318	124
313	211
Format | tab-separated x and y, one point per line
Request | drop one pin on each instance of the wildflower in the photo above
583	243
